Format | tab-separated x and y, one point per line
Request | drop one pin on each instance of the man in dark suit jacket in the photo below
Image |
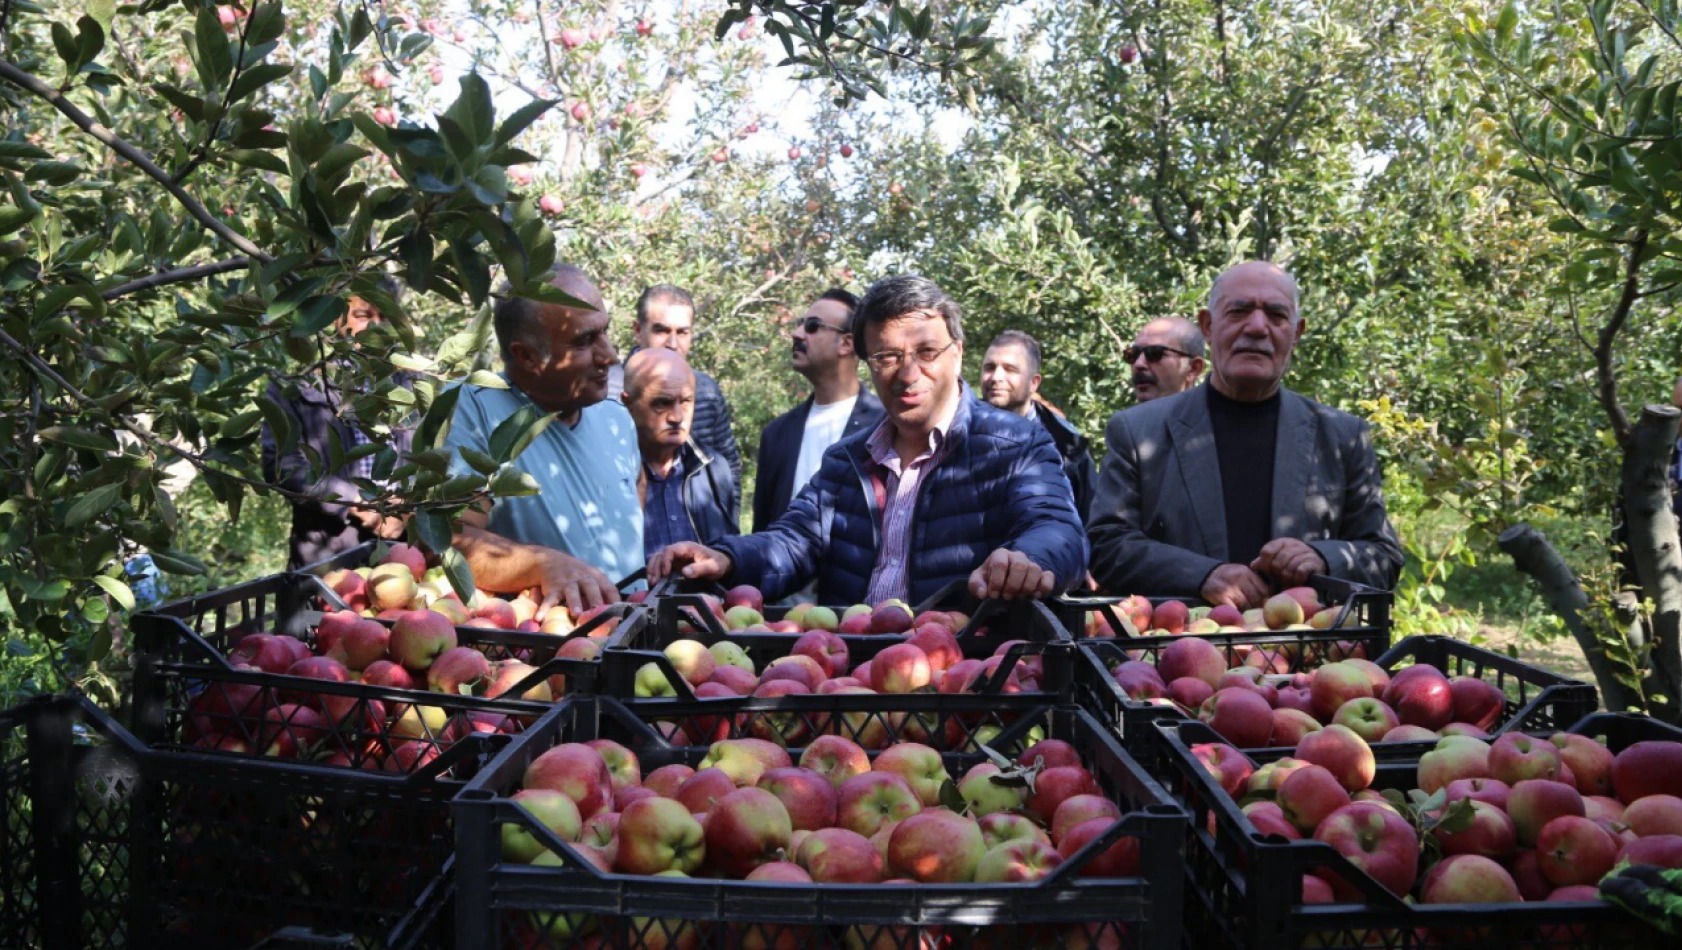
792	445
1239	488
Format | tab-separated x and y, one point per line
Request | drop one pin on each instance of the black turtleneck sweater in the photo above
1246	434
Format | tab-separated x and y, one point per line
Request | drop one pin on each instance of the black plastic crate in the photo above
1536	699
498	903
680	610
1363	610
1045	659
1244	889
108	843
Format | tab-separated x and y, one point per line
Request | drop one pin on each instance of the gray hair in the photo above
893	297
519	320
1215	288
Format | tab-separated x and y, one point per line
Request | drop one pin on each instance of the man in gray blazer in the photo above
1239	488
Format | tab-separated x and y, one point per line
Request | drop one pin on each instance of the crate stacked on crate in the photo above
210	669
869	858
1517	868
110	843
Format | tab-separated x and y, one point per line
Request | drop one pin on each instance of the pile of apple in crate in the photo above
355	753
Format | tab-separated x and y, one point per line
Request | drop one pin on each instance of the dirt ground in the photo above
1561	655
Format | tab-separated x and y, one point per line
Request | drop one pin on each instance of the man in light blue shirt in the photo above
583	531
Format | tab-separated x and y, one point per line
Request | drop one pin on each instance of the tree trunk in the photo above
1654	548
1534	556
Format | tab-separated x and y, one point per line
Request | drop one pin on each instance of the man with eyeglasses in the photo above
1010	380
1167	358
792	445
945	488
1240	488
665	317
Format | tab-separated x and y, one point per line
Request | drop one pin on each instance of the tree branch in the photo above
1608	337
177	276
135	156
1654	546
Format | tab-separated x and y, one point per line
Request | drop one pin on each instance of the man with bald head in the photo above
582	530
1239	488
1167	358
687	495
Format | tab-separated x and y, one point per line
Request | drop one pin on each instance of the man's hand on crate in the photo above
579	586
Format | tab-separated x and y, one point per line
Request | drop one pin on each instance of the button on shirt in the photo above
665	518
899	484
588	472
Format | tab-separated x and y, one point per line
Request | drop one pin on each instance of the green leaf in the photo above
90	39
434	529
92	505
338	159
174	562
118	590
13	218
53	173
472	109
256	78
481	463
216	59
191	106
460	574
510	482
65	43
522	118
952	798
254	158
513	434
79	438
487	379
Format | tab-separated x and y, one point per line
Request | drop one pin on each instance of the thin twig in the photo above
177	276
1609	336
17	77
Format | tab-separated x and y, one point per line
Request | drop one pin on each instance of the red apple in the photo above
418	637
900	668
1491	834
1190	692
1575	850
1376	840
1193	657
1120	859
1515	757
1343	753
1453	758
459	671
291	731
1533	803
1241	717
1054	786
939	644
1410	734
1230	769
784	871
1273	774
1654	815
1309	795
1590	762
839	856
920	766
829	650
1081	808
745	760
935	847
1648	768
864	803
1000	827
890	618
1477	702
808	797
1333	685
1170	615
1017	862
1479	790
576	771
745	829
1269	820
658	834
835	758
1468	879
666	780
1052	752
387	673
1663	851
1252	679
263	651
745	595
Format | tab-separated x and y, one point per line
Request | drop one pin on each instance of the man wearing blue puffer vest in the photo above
946	487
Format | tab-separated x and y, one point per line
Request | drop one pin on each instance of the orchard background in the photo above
1481	203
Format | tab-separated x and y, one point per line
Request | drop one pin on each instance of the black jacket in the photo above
319	528
710	495
711	428
779	453
1077	456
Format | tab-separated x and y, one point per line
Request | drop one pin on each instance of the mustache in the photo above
799	346
1143	378
1259	350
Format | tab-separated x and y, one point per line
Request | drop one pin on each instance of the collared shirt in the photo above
898	485
665	517
588	474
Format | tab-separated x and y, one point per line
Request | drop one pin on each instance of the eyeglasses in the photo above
889	361
812	325
1152	354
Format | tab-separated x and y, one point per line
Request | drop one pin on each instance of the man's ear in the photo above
1197	365
1204	321
844	345
1034	383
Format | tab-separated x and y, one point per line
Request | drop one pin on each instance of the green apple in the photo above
652	684
726	653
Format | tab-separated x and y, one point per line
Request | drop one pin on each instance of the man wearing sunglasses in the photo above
792	445
946	488
1167	358
1240	488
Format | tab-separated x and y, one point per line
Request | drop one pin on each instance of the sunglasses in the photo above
1152	354
811	325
